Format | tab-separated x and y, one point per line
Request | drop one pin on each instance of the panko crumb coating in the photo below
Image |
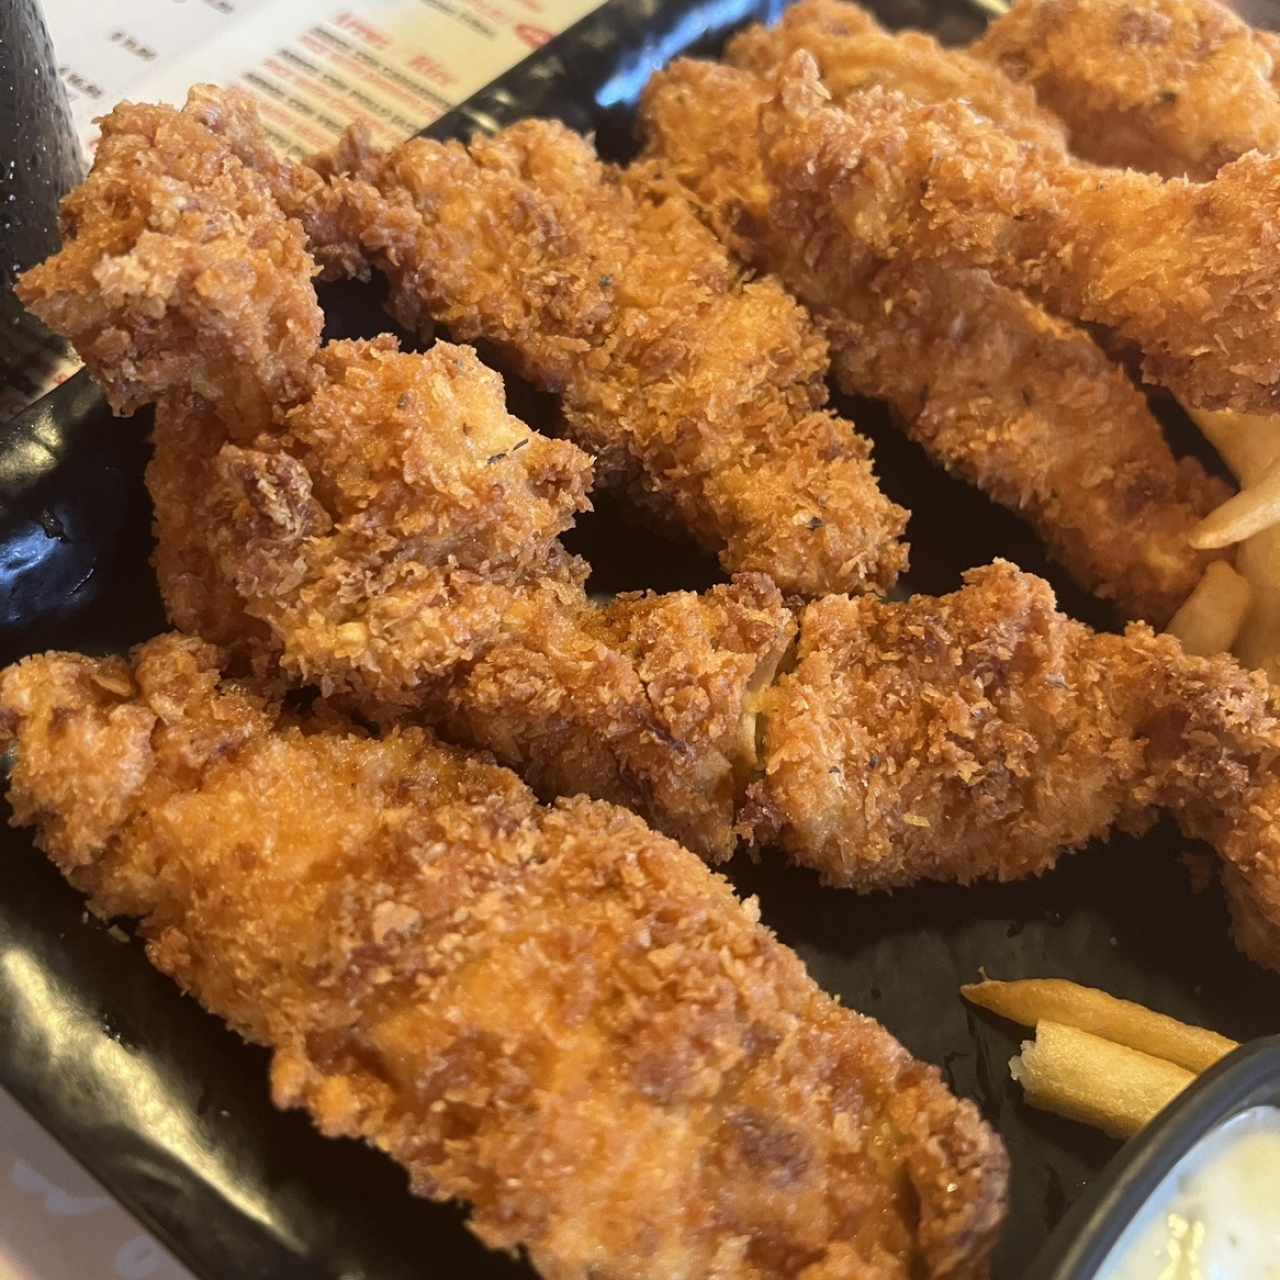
552	1014
699	392
1176	87
1024	406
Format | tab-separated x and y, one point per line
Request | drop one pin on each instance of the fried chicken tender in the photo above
422	530
1019	403
1177	87
854	52
1183	271
700	394
395	542
650	703
180	270
982	734
551	1013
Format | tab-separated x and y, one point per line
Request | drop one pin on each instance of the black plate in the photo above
170	1111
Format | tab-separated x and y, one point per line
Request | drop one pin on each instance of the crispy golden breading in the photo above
1024	406
1177	87
393	518
942	738
405	560
649	702
181	282
854	52
553	1014
698	392
398	537
982	734
702	654
299	189
179	270
198	598
1186	272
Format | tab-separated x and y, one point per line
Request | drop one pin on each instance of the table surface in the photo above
59	1223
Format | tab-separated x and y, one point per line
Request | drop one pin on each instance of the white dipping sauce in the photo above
1216	1216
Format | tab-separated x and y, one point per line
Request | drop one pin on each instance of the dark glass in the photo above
39	163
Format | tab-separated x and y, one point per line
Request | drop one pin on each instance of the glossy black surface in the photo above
1249	1077
171	1111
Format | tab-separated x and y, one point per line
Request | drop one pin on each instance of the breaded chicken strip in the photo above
1178	87
397	539
982	734
179	268
1024	406
854	53
431	516
699	393
1185	272
553	1014
393	518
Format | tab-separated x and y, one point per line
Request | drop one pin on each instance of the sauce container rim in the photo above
1247	1077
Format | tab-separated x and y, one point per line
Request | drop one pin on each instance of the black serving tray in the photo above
170	1111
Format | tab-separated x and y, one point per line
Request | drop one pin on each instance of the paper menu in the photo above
312	67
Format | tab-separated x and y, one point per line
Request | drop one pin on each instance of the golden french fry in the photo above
1254	508
1212	615
1248	442
1100	1083
1257	643
1250	446
1035	1001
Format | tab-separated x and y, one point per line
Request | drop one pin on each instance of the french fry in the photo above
1250	446
1035	1001
1084	1077
1212	615
1247	442
1257	643
1255	508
